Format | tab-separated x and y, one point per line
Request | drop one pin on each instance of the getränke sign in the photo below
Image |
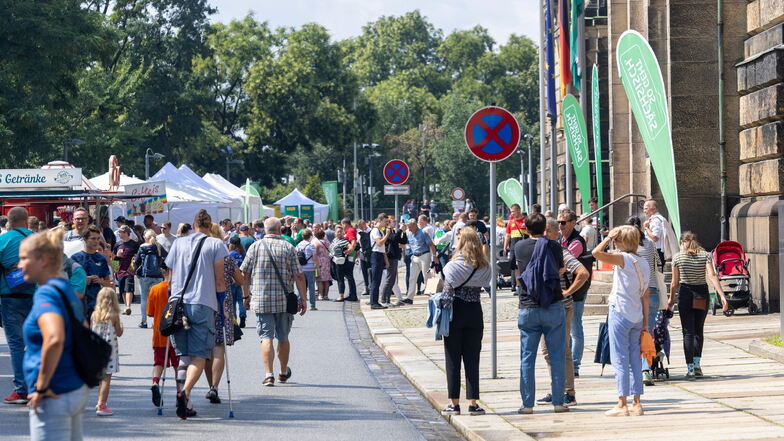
40	178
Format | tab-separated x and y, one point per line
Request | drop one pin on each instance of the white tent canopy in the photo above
254	204
102	182
186	197
296	198
233	210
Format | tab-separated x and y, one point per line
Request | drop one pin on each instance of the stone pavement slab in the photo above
741	397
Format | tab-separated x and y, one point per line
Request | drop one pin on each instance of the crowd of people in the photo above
92	274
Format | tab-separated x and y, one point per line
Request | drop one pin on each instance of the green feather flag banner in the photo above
642	80
596	119
577	140
511	192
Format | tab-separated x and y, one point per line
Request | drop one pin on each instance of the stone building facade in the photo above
756	222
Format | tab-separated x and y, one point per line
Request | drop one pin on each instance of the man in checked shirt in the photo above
268	295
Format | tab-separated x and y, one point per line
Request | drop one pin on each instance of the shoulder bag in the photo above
292	302
173	316
90	352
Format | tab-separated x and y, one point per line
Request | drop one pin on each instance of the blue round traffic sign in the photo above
396	172
492	134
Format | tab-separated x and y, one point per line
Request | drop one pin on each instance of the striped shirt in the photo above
691	268
648	252
571	264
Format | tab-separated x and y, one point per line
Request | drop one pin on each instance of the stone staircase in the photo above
599	293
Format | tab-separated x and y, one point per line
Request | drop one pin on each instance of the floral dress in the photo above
325	273
228	311
107	332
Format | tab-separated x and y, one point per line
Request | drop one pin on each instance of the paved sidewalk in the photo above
741	397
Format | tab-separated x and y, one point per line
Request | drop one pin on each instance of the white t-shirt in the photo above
375	233
656	225
590	235
430	230
626	295
456	232
201	289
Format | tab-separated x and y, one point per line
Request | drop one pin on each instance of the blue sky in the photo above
345	18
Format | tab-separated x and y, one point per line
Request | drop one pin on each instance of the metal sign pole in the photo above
493	281
397	213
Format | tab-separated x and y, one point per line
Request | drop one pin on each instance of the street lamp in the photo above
70	142
229	152
147	155
372	154
529	138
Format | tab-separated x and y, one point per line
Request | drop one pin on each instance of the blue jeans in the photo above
578	339
239	305
533	323
310	281
376	271
625	353
15	311
145	283
60	418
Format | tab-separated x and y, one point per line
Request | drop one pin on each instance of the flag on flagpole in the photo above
563	44
552	108
577	12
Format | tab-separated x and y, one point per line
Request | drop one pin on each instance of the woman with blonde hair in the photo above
628	315
148	263
464	277
58	393
106	323
691	269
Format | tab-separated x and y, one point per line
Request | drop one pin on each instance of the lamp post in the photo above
229	152
371	154
522	168
67	144
528	139
147	155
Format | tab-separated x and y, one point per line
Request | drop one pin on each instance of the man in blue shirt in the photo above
96	267
422	251
16	301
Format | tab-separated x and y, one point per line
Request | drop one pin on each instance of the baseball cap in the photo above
244	228
120	219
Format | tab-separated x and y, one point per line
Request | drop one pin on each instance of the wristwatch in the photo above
40	391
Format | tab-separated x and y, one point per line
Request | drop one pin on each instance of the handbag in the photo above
292	302
173	316
90	352
662	286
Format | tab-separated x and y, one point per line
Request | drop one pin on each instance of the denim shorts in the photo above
274	325
199	339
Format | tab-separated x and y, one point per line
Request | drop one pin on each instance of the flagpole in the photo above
553	147
542	112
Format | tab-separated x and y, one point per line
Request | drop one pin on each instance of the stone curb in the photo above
767	350
430	380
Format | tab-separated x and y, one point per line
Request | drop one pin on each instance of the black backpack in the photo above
151	265
90	352
303	260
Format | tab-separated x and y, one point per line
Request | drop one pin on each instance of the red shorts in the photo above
159	354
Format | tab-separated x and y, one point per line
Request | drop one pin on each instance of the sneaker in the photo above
102	410
16	398
156	395
242	322
560	409
547	399
647	378
352	299
408	301
569	400
525	411
212	395
313	308
576	373
451	410
690	376
182	405
475	410
284	377
268	382
698	371
143	325
378	306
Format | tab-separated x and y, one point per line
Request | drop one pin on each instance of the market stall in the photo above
298	205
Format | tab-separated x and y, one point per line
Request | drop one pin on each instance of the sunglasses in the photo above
562	222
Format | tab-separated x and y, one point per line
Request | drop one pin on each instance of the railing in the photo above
615	201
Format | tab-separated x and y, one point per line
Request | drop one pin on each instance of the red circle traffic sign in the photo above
396	172
458	194
492	134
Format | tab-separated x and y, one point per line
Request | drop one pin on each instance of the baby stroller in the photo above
661	339
732	268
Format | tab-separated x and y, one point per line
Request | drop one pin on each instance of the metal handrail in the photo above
615	201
